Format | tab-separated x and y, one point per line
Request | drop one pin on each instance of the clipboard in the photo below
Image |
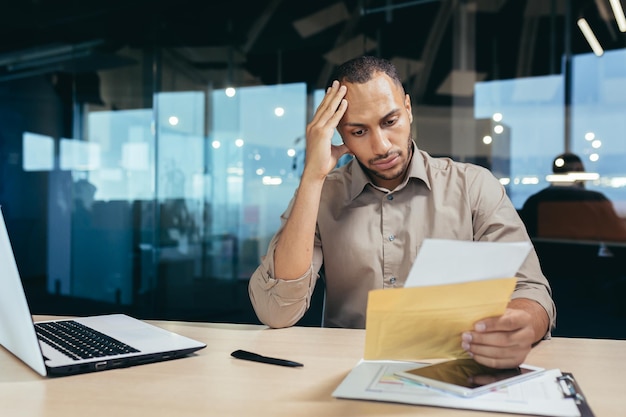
377	381
570	389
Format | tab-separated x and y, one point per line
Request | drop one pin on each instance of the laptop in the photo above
84	344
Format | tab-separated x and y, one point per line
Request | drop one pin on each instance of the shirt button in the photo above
390	197
392	280
392	238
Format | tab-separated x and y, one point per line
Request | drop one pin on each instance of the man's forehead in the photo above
366	112
381	92
372	92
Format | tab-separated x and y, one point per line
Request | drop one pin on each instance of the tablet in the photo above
467	378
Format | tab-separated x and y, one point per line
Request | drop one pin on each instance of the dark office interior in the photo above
62	61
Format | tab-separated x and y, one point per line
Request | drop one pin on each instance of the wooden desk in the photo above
211	383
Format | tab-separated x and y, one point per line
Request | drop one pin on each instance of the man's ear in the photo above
407	106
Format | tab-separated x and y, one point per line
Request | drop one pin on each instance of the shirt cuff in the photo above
291	289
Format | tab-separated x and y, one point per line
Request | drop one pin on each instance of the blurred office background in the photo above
148	147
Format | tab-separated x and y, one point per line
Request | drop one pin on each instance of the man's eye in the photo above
358	132
390	122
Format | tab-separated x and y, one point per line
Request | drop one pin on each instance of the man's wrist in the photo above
312	178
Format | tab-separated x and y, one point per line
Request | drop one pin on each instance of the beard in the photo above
399	172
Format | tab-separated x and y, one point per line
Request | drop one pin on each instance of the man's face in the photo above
376	128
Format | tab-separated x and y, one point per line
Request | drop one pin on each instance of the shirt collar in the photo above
417	170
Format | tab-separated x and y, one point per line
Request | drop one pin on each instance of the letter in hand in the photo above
503	341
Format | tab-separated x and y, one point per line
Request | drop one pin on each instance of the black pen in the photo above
249	356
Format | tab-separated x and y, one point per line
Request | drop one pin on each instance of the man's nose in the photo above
380	143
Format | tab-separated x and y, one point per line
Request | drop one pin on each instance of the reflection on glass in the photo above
598	125
262	157
38	152
534	109
127	156
191	203
78	155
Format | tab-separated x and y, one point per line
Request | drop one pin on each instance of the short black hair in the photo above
361	69
571	163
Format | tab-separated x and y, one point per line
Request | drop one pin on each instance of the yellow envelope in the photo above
427	322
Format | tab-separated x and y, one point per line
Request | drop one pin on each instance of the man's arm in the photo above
505	341
280	289
294	251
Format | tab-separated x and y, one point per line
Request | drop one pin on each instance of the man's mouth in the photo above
387	163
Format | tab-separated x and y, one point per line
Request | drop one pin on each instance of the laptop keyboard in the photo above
79	341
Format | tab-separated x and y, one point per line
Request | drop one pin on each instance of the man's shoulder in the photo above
570	193
439	164
596	195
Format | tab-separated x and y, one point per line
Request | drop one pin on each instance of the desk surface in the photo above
211	383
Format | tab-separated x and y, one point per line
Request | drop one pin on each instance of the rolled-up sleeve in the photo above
277	302
532	284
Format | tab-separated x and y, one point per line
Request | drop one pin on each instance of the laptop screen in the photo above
17	333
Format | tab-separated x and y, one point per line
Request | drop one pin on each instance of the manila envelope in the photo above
427	322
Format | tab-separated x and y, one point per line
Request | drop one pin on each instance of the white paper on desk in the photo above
442	261
376	380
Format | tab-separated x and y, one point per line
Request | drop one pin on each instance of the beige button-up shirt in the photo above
367	238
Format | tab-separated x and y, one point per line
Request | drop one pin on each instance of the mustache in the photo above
385	156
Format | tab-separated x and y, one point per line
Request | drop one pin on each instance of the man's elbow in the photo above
276	313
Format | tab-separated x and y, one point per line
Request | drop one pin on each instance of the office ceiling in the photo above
284	41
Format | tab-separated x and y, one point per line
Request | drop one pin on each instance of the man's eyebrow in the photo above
349	124
355	124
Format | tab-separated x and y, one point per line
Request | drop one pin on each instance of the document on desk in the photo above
376	380
453	285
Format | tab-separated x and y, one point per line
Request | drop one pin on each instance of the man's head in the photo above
361	69
567	162
376	126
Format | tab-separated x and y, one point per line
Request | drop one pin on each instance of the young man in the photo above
365	222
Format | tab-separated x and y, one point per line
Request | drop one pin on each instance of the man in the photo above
365	221
568	210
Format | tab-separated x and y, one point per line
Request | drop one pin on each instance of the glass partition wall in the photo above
154	185
173	205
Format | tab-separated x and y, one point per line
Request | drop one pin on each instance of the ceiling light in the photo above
573	177
619	14
617	182
267	180
589	35
530	180
559	162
